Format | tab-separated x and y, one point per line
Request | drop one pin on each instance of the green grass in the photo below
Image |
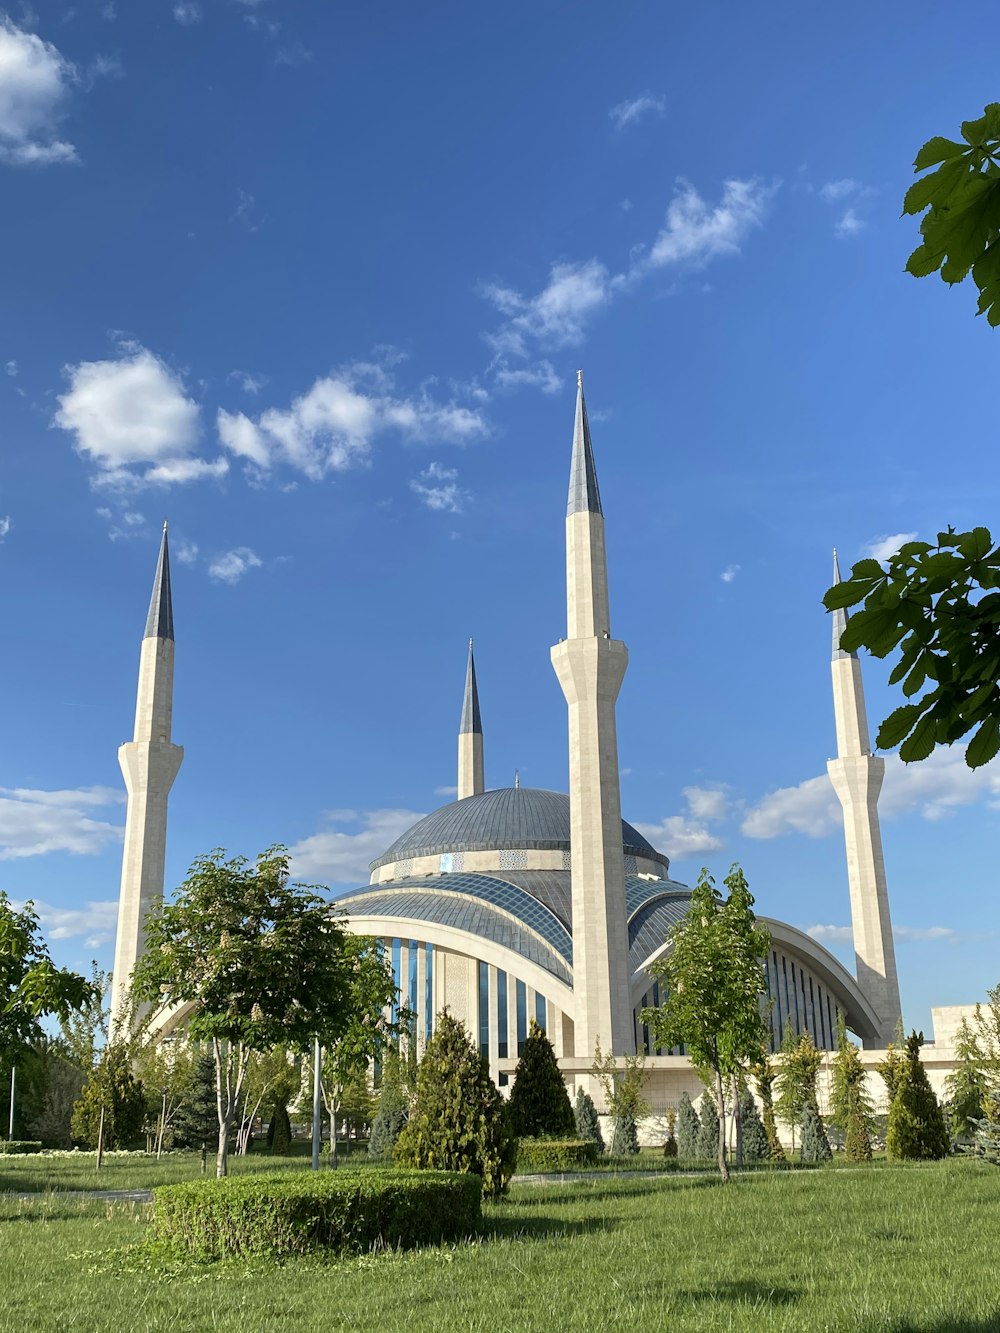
825	1251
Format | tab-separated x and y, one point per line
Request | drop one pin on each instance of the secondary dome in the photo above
508	818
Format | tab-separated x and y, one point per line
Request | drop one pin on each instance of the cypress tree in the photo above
851	1110
688	1130
459	1121
858	1143
670	1142
588	1124
279	1131
756	1147
986	1143
917	1129
197	1120
815	1144
539	1103
708	1135
765	1074
624	1134
966	1084
393	1108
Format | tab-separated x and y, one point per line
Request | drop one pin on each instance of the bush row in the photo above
298	1211
555	1154
19	1146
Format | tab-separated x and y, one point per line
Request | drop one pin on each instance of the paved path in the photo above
121	1196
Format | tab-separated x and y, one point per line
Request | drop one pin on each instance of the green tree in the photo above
711	1128
31	986
851	1109
272	1078
393	1105
688	1129
279	1130
800	1064
263	959
893	1067
967	1084
765	1074
624	1134
756	1145
166	1071
586	1120
986	1143
670	1142
917	1129
713	982
539	1103
196	1122
815	1145
858	1139
622	1087
459	1121
114	1090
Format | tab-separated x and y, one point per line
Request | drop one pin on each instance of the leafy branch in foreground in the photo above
940	606
961	206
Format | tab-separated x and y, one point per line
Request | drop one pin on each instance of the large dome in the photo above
510	817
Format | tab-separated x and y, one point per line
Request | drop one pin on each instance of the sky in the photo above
314	280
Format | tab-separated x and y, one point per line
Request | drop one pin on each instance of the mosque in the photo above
518	903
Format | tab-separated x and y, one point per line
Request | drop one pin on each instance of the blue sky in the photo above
314	281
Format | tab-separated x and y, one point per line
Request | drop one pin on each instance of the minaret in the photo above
149	764
857	775
470	738
590	666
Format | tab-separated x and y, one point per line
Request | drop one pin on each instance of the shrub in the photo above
555	1154
624	1134
393	1106
986	1143
708	1136
815	1144
688	1129
294	1212
756	1147
112	1086
858	1144
917	1129
197	1118
17	1147
539	1103
459	1121
588	1124
670	1142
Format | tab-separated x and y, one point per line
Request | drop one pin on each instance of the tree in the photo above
273	1077
858	1139
196	1122
166	1071
62	1082
851	1110
114	1096
670	1142
459	1120
688	1130
815	1144
756	1145
539	1103
31	986
800	1063
622	1087
893	1067
369	1029
711	1127
986	1143
393	1105
765	1074
262	958
966	1084
939	604
917	1129
713	983
586	1119
279	1131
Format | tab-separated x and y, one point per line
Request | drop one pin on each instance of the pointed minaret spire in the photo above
149	764
160	621
857	776
471	778
590	666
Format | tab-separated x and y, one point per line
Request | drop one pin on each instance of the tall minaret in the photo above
149	764
471	780
590	666
856	775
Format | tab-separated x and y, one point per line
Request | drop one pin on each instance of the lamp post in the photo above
13	1086
317	1125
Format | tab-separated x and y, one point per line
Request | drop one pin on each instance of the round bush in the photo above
17	1147
538	1155
293	1212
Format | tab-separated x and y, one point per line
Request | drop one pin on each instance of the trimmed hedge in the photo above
19	1146
293	1212
555	1154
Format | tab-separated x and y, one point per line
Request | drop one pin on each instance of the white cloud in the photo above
849	223
542	376
232	565
187	13
134	421
636	109
96	921
729	573
332	427
881	548
834	191
339	857
186	552
245	212
932	789
11	368
687	835
438	487
4	526
248	383
34	823
707	802
694	233
445	791
34	81
831	934
845	935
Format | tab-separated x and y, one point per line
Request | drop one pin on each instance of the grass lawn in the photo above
911	1251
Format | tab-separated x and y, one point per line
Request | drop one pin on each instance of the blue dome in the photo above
509	817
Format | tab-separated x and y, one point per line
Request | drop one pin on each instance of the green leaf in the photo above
867	569
920	742
914	681
924	261
975	131
984	744
897	725
937	150
976	544
846	594
936	188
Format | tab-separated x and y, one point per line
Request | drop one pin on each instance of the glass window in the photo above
540	1011
484	1010
412	992
502	1014
521	1001
397	980
429	992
